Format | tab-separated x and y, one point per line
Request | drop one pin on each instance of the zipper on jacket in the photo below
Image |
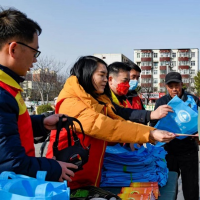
99	170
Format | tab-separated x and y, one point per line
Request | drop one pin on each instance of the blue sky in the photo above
73	28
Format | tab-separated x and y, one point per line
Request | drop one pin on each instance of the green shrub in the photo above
44	108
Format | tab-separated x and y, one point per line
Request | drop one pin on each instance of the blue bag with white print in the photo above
182	120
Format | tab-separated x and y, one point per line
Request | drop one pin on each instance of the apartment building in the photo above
110	58
156	63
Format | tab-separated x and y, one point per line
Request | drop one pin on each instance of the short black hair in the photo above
15	24
83	69
116	67
135	67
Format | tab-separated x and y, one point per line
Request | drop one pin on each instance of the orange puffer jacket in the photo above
100	124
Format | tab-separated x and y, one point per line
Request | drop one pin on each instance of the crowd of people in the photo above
101	97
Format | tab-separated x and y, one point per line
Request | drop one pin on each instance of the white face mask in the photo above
133	84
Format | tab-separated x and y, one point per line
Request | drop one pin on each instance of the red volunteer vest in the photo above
24	120
136	103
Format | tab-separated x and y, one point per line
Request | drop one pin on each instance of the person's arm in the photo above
13	156
134	115
154	122
109	128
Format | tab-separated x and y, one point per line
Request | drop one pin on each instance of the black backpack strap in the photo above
44	145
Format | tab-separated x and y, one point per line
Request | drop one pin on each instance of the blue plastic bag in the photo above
182	120
122	166
20	187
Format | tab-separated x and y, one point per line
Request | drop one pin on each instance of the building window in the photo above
173	55
191	80
155	80
192	71
162	71
185	80
165	55
138	63
184	54
146	63
155	55
165	63
173	63
146	55
193	54
192	63
155	64
155	71
138	55
148	71
185	63
155	89
146	80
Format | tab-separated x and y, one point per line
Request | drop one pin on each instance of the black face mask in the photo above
76	154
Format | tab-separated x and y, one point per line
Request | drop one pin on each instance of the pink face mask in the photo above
122	88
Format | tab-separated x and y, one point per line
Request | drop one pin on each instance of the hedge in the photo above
44	108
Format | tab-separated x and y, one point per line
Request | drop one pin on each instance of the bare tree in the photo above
61	79
45	75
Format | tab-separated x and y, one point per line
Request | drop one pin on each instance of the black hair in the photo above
83	69
15	25
116	67
135	67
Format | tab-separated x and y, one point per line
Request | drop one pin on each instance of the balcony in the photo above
146	76
162	76
163	68
183	67
145	67
185	75
162	84
162	59
183	58
144	59
146	85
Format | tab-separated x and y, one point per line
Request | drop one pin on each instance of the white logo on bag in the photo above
184	116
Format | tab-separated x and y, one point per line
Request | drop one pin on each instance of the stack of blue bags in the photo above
122	166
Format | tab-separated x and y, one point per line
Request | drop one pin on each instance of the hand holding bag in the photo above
76	154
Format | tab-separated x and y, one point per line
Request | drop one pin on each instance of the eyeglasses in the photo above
37	52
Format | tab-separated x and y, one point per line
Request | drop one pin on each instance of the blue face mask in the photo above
133	84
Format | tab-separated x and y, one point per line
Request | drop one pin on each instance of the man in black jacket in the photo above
182	154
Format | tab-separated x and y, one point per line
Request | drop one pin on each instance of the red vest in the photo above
91	173
24	120
136	103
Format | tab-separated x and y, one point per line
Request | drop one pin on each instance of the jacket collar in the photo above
10	78
8	71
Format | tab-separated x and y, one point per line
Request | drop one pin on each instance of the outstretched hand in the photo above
161	136
51	121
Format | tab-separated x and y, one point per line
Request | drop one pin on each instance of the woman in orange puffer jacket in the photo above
85	96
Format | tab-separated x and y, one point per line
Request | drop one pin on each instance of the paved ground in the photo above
180	193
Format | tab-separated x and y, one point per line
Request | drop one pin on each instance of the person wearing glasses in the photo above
18	51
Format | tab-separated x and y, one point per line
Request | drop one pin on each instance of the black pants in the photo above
188	167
